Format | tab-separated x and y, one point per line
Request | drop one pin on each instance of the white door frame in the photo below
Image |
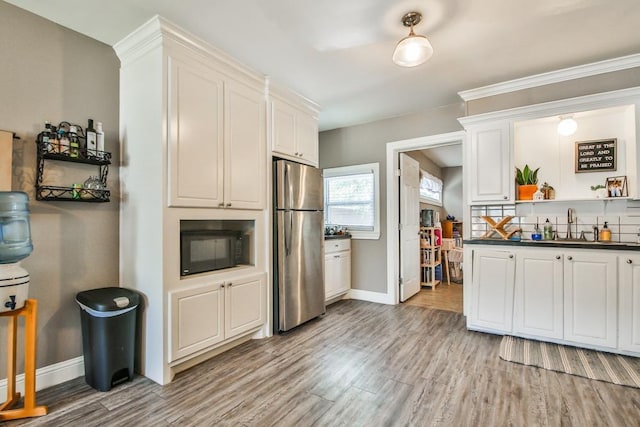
393	199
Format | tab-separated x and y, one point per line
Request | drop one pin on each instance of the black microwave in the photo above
209	250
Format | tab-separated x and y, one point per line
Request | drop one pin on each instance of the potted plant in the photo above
527	180
600	191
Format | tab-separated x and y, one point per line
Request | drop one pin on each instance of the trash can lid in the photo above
108	299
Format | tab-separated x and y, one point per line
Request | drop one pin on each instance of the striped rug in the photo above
597	365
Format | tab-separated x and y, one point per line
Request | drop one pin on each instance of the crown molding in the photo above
556	108
587	70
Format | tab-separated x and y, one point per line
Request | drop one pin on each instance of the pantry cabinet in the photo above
294	127
591	298
205	315
538	296
490	163
492	286
629	290
216	139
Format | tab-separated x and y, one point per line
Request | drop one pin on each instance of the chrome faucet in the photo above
570	220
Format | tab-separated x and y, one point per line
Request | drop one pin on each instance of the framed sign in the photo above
617	186
596	156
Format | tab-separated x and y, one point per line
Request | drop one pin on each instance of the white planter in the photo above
14	287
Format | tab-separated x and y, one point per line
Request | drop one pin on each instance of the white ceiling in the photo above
338	52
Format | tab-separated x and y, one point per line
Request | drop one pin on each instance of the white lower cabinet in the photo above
492	285
337	268
538	304
629	306
203	316
591	298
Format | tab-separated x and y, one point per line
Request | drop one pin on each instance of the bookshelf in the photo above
430	255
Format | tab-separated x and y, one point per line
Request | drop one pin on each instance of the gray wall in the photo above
452	202
52	73
367	144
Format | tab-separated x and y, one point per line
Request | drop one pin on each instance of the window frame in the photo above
360	169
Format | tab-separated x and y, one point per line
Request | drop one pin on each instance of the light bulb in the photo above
567	126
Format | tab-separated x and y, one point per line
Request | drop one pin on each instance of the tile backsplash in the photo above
623	221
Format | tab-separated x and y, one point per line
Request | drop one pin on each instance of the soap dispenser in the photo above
605	233
548	230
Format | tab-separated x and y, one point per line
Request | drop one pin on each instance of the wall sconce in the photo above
567	126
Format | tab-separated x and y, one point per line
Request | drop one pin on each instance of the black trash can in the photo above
108	317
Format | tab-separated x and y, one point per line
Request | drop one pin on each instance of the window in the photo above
352	199
430	189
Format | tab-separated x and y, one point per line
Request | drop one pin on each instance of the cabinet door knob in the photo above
300	154
569	257
296	153
511	256
228	205
221	205
222	286
229	284
505	197
629	261
558	257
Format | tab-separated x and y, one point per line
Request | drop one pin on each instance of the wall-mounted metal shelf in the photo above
102	159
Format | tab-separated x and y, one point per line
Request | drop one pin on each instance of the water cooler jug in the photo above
15	245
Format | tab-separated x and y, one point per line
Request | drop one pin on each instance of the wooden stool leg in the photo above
446	264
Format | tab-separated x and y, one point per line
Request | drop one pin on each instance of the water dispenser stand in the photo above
29	311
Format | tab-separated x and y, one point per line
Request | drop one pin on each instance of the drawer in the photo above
337	245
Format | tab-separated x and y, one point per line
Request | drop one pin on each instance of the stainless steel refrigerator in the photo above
298	244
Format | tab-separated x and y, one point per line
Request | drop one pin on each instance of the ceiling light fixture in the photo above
414	49
567	126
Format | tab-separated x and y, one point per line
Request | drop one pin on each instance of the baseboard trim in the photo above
371	296
48	376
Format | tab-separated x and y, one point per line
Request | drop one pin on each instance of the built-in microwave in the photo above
209	250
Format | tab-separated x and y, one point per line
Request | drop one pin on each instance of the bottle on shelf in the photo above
92	140
74	142
46	138
63	141
99	139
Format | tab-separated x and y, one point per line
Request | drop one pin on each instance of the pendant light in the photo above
414	49
567	126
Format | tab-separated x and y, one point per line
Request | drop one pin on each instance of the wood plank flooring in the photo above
362	364
442	297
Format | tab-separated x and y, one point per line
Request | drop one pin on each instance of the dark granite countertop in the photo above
337	236
572	244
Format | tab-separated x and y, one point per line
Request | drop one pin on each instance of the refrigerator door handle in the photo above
287	235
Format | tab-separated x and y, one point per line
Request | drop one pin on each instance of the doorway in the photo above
436	143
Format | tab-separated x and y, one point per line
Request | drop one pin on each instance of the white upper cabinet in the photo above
490	163
217	139
245	147
294	129
195	135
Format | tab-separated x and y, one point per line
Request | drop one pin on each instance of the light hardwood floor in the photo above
362	364
442	297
